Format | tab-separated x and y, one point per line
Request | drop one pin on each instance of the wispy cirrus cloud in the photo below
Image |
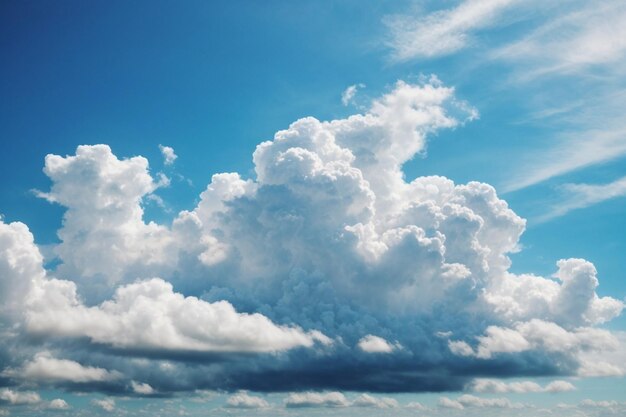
570	152
578	196
442	32
583	36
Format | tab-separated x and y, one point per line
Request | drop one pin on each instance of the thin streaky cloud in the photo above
587	37
571	152
580	196
443	32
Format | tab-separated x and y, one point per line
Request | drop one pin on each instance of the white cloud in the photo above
414	405
19	397
337	399
606	362
244	400
577	196
600	404
349	93
107	404
58	404
366	400
542	336
316	399
328	235
467	401
571	152
586	35
570	301
520	387
176	322
559	386
445	31
141	388
446	402
168	154
52	307
44	367
103	233
375	344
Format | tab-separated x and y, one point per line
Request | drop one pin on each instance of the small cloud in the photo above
375	344
316	399
414	405
19	397
245	401
519	387
168	154
442	32
466	401
599	404
446	402
44	367
141	388
107	404
349	93
58	404
366	400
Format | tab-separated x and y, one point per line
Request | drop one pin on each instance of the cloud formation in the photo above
521	387
44	367
443	32
169	156
246	401
326	272
578	196
469	401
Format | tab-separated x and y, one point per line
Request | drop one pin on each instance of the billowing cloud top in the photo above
327	271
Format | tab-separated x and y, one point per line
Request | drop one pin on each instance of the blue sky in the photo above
394	252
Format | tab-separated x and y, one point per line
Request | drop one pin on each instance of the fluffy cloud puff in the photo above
44	367
467	401
143	315
521	387
19	397
291	279
244	400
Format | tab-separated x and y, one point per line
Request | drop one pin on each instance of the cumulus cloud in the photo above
375	344
540	335
107	404
176	322
570	301
601	404
44	367
141	388
337	399
58	404
247	401
414	405
316	399
52	307
291	280
521	387
19	397
467	401
169	156
366	400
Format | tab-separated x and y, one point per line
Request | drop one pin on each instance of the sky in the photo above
334	208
